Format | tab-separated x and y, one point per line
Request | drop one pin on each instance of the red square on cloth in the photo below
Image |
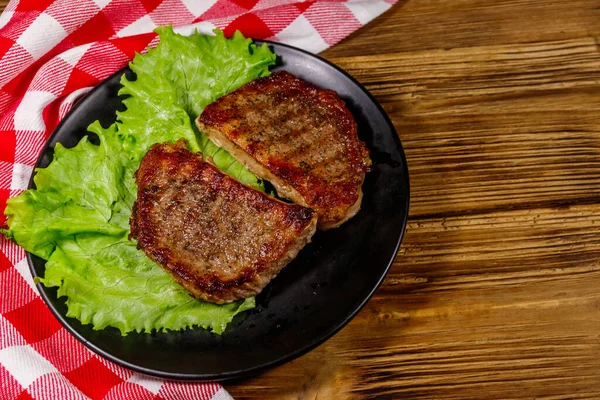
150	5
304	5
133	44
5	264
37	5
66	352
122	13
93	371
247	4
79	79
95	29
16	294
7	150
5	44
33	320
250	25
24	396
10	336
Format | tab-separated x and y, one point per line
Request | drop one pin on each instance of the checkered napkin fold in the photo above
52	52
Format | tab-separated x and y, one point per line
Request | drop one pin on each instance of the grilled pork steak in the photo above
218	238
300	138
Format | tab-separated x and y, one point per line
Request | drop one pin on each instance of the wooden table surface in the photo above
495	292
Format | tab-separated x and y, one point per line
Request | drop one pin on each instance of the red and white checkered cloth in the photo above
54	51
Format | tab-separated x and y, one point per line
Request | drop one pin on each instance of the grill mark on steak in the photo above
299	137
218	238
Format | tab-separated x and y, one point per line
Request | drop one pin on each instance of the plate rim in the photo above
237	374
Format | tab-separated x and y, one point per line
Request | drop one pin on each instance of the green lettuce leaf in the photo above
38	221
134	294
77	218
176	80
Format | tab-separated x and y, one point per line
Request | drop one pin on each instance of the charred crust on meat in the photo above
301	138
218	238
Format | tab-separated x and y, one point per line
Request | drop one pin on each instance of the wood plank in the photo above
496	126
413	25
502	305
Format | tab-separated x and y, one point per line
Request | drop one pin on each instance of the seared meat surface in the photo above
299	137
218	238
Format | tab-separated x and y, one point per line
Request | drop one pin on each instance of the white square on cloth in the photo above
142	25
5	17
20	176
28	115
72	56
22	268
198	7
25	364
301	33
101	3
44	26
365	11
151	384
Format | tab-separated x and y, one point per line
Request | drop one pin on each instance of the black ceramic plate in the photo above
312	298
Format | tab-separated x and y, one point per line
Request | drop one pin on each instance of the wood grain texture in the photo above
495	292
496	305
514	125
